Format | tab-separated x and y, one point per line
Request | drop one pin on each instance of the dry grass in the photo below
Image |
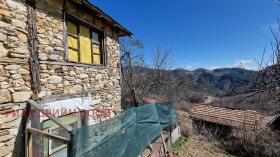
192	146
196	148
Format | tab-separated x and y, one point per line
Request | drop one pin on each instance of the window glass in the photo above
72	28
52	146
85	45
96	54
95	38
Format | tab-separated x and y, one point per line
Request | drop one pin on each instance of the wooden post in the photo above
65	30
32	39
28	141
51	117
165	149
170	138
58	121
70	151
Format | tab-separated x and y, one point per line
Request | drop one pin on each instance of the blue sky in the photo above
202	33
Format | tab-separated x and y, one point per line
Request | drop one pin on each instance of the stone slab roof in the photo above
244	119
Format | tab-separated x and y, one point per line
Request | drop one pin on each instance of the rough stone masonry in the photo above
57	76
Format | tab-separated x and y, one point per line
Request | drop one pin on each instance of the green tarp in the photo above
124	135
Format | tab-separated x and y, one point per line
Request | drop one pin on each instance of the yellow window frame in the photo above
79	52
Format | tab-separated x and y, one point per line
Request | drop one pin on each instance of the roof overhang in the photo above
101	14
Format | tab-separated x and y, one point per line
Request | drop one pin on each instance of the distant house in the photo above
247	121
59	53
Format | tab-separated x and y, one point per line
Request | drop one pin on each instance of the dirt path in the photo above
209	99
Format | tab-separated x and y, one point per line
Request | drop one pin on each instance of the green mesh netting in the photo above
124	135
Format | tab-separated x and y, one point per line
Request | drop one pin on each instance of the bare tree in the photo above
131	58
157	79
267	80
148	80
277	2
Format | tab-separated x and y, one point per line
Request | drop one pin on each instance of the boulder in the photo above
4	132
12	67
109	96
16	5
16	76
69	78
6	138
55	79
3	37
96	101
4	85
98	77
4	73
18	83
7	118
5	150
53	57
26	77
3	78
18	23
3	51
43	56
21	89
77	88
22	37
83	76
5	96
23	71
20	96
4	25
72	73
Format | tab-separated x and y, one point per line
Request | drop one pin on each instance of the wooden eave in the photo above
121	30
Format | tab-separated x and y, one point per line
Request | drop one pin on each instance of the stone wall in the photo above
68	79
55	78
15	85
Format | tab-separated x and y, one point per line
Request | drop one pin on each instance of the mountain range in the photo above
221	82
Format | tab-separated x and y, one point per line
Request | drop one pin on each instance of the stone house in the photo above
52	51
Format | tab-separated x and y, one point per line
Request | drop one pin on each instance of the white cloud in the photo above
241	63
246	64
213	67
189	67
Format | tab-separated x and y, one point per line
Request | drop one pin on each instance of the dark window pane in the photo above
95	38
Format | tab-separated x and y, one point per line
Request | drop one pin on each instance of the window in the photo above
84	44
52	147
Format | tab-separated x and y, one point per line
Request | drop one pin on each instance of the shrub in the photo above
265	144
197	97
183	105
176	147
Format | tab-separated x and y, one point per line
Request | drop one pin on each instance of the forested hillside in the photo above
181	84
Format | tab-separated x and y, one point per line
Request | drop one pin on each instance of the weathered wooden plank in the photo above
36	141
32	41
77	64
28	141
47	135
51	117
163	142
